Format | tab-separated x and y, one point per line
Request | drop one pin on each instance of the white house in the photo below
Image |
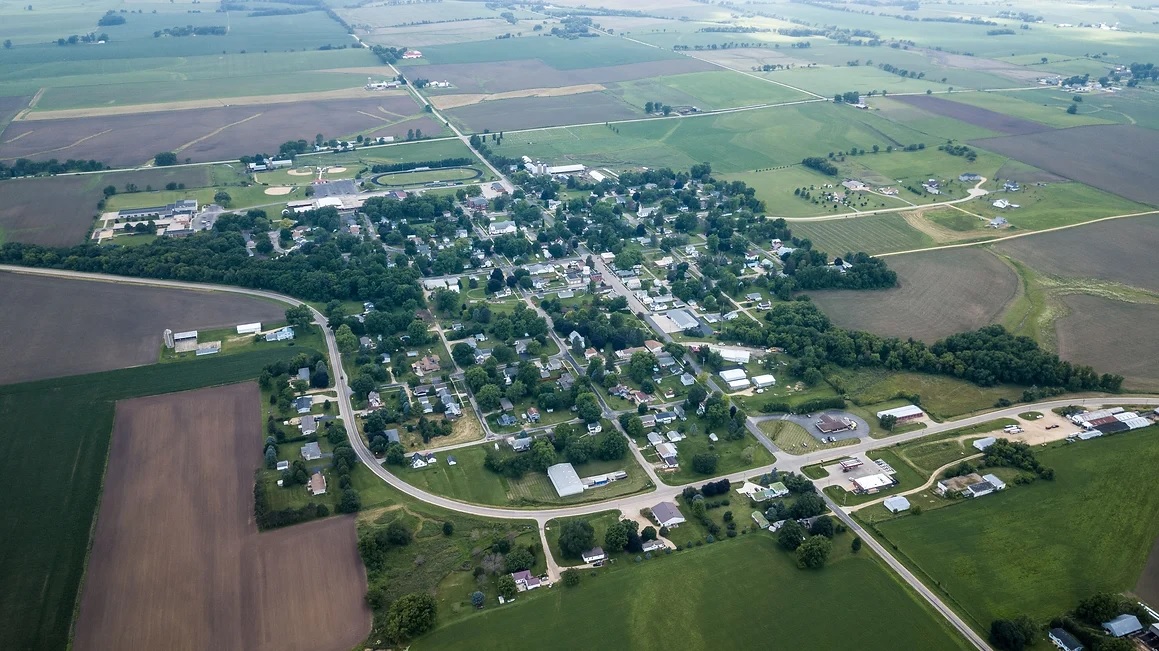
667	515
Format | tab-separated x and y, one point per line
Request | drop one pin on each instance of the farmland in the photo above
977	116
561	54
534	112
1100	497
938	294
942	397
702	621
534	73
235	586
55	458
872	234
1131	352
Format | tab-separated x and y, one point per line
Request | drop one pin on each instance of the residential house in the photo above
594	554
418	460
308	425
506	405
533	414
374	400
590	353
311	452
573	337
1062	639
667	453
520	444
665	417
317	484
648	420
595	428
507	420
566	381
654	438
668	515
427	365
686	379
303	404
525	581
365	343
303	375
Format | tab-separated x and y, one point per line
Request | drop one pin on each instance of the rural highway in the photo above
630	504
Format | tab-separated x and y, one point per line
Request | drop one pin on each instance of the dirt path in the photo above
215	132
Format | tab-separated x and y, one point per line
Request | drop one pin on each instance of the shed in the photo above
760	519
896	504
982	444
249	328
733	374
762	381
563	476
1123	625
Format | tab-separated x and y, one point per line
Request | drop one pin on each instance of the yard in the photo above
792	437
678	597
733	456
1102	500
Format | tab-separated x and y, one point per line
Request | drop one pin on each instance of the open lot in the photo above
678	597
238	587
54	457
975	115
1101	497
1107	157
204	134
938	294
64	327
1085	337
942	396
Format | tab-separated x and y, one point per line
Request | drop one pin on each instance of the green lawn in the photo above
1038	549
871	234
734	456
600	523
682	597
793	438
1054	204
54	456
941	397
929	454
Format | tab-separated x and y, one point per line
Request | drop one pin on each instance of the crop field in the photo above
55	457
202	134
1083	337
534	73
1101	497
931	124
559	53
1094	251
1105	157
855	585
534	112
236	585
939	294
871	234
706	90
66	327
830	80
1042	107
978	116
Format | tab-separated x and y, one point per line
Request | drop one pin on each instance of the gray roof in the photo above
1064	638
1123	625
565	479
392	435
665	511
896	503
683	319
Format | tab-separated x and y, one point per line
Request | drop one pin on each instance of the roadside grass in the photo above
871	234
54	455
1101	497
941	397
677	596
793	438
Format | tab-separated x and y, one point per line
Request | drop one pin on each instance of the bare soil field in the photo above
202	134
1114	157
992	66
535	112
745	58
939	294
457	101
1148	586
177	562
1115	250
1013	170
9	107
974	115
1113	337
398	130
56	327
519	75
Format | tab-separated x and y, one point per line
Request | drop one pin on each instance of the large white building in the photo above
565	479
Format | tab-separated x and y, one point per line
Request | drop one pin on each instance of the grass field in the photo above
1047	107
55	459
1054	204
678	597
1101	498
705	90
561	54
872	234
733	456
942	397
931	453
791	436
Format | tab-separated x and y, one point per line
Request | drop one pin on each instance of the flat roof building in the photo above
683	319
903	414
733	374
872	483
563	476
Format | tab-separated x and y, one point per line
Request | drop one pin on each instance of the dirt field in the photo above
487	78
1115	157
1148	586
1113	337
201	134
177	562
940	293
1095	251
992	66
9	107
254	100
56	327
533	112
456	101
980	117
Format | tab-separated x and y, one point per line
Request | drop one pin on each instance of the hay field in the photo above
940	293
163	524
57	327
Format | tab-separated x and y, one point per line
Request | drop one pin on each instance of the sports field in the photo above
679	597
1101	498
54	459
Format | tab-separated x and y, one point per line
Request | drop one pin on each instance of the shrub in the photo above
571	578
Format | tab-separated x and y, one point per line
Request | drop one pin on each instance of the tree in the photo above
1072	109
855	546
1006	634
410	616
1099	608
507	587
571	578
164	159
823	527
813	553
347	342
462	354
705	463
542	454
299	316
222	198
448	528
351	502
616	537
488	397
807	506
110	190
588	408
576	537
396	534
640	366
518	559
7	44
649	533
271	457
477	599
612	447
790	535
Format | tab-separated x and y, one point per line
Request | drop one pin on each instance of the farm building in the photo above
1123	625
989	484
563	476
1064	640
763	381
903	414
184	207
896	504
283	334
827	424
667	515
317	485
872	483
249	328
735	378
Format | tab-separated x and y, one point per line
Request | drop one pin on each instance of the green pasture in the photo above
54	458
1101	498
871	234
830	80
559	53
956	220
707	91
1045	106
1053	204
939	128
678	597
942	397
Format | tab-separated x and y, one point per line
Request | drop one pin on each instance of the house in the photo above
502	228
566	381
639	397
1064	640
674	437
426	365
451	461
686	379
482	355
969	177
654	438
595	428
374	400
654	545
1122	626
667	515
418	461
365	343
303	375
520	444
509	375
507	420
620	391
896	504
573	337
594	554
317	484
903	414
590	353
525	581
303	404
311	452
653	346
665	417
648	420
679	411
422	389
755	296
997	222
1011	186
282	334
667	453
506	405
533	414
308	425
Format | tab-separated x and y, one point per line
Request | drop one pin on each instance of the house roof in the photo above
907	411
666	512
1064	638
896	503
1123	625
565	479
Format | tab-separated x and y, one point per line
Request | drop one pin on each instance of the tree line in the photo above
52	166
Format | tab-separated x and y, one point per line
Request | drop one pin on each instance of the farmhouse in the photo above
903	414
317	485
896	504
283	334
311	452
667	515
997	222
565	480
594	554
828	424
525	581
